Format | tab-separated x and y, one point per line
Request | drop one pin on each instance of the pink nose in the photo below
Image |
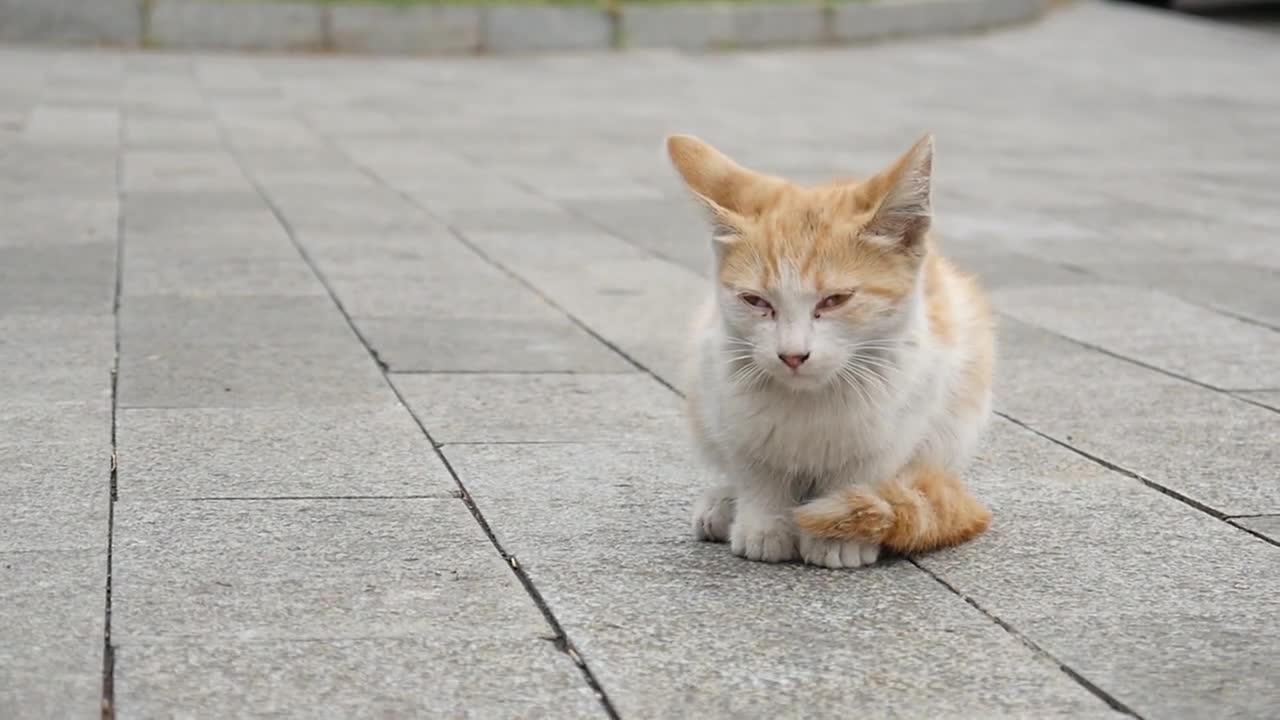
793	361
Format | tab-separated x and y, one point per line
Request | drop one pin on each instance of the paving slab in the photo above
1070	563
614	294
311	570
51	625
1269	398
355	678
49	359
1188	340
673	627
487	342
1206	445
532	407
57	497
175	454
38	217
249	351
58	279
182	171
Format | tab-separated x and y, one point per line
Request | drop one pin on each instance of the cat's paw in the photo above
713	514
837	554
765	538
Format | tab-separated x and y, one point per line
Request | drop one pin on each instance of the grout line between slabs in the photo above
1133	361
108	650
561	640
1084	682
1184	499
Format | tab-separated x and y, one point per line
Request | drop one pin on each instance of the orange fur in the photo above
925	508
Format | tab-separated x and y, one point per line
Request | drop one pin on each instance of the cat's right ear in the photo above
714	180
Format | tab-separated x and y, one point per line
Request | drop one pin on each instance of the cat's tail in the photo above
924	509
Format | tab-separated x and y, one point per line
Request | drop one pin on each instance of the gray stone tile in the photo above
1268	525
643	594
1247	289
1187	339
480	342
313	569
214	268
247	453
58	279
542	408
1203	444
51	426
616	297
43	678
47	596
201	217
56	125
35	218
364	210
150	130
438	677
182	171
56	358
57	497
672	229
241	352
1168	609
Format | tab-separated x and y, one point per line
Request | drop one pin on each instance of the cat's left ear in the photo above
905	210
716	181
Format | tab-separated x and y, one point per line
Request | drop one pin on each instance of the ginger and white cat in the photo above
842	371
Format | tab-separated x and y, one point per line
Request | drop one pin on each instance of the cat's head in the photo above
810	278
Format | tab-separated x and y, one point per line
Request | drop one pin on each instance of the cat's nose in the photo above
793	361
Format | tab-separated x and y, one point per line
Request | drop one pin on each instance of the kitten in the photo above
842	368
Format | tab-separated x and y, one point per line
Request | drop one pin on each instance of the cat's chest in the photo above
802	435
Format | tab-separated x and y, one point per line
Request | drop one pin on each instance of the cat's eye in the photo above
755	301
834	301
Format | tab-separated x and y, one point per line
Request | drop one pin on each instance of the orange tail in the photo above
924	509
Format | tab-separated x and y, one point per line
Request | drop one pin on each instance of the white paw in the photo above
837	554
713	514
765	538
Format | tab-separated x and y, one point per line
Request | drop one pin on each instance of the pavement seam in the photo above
561	638
1134	361
108	650
1163	490
1040	652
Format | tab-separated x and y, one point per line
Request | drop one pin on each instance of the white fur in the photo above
781	438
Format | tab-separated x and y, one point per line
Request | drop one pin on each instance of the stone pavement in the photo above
395	408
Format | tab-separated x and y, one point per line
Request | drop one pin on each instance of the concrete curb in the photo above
361	27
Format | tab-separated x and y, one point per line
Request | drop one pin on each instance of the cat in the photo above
841	370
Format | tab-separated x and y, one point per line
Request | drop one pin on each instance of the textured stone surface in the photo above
258	452
523	28
490	206
1147	606
313	569
1188	340
762	633
1207	445
235	26
51	626
402	677
541	408
240	351
1268	525
489	343
117	22
379	29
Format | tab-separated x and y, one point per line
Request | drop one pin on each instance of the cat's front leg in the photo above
762	527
